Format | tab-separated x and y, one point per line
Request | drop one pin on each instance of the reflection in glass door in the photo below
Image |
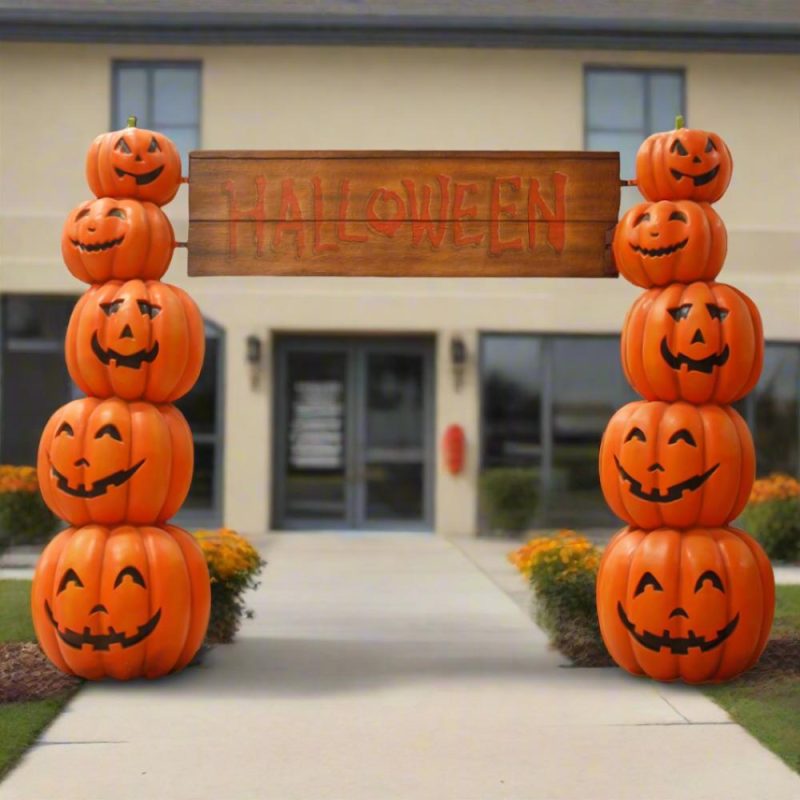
354	425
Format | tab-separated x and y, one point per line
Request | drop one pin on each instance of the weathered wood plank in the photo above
401	213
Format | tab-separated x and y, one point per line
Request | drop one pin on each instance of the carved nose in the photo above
101	608
654	234
91	228
654	467
696	160
127	333
678	612
81	462
139	158
698	337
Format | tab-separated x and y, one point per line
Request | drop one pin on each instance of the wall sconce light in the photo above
458	359
253	354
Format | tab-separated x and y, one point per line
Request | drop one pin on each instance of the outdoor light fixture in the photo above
253	351
458	359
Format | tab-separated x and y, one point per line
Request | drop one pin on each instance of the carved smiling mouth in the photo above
102	641
669	495
699	180
693	364
99	487
94	248
679	645
659	251
134	360
141	180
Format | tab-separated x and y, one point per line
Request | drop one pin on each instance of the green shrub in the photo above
24	517
772	516
510	497
562	570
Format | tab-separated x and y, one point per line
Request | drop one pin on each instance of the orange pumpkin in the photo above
693	605
134	162
684	164
111	462
107	238
676	465
136	340
658	243
122	603
702	343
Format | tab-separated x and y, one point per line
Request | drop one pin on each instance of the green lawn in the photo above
21	723
768	706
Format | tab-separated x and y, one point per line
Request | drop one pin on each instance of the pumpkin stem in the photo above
679	121
131	122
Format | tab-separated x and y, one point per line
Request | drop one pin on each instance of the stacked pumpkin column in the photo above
680	594
121	593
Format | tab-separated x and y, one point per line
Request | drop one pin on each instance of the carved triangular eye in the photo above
153	148
116	212
710	145
65	427
132	573
681	312
109	430
648	579
636	433
122	146
679	215
712	577
70	576
112	307
682	435
678	145
716	312
641	218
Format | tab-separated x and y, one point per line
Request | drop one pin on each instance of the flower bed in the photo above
24	517
772	516
562	571
233	565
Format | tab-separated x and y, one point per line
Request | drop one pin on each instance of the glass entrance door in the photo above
353	431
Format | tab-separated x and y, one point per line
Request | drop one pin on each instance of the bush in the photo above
233	564
24	517
772	516
510	498
562	571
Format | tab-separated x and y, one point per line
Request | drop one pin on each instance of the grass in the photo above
21	723
768	706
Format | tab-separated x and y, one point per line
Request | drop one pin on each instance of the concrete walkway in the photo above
382	667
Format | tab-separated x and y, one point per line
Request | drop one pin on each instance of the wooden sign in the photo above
402	214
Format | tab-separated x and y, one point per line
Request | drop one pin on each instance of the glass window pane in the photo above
34	386
36	317
185	140
626	143
176	96
615	100
131	96
394	491
666	100
315	464
394	400
777	411
511	374
199	406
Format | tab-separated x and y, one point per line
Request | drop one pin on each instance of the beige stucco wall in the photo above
55	98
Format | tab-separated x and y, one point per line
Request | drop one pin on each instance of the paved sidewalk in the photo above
382	667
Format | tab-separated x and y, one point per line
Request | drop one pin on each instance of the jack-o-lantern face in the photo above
134	162
702	343
684	164
658	243
695	605
676	465
122	602
109	461
106	239
135	340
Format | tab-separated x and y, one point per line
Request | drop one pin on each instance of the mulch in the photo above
26	674
781	657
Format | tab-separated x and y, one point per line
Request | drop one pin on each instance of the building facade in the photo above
323	401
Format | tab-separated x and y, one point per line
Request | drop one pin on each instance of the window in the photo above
34	382
546	401
624	106
163	96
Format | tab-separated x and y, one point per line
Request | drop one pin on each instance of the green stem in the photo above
131	122
679	122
